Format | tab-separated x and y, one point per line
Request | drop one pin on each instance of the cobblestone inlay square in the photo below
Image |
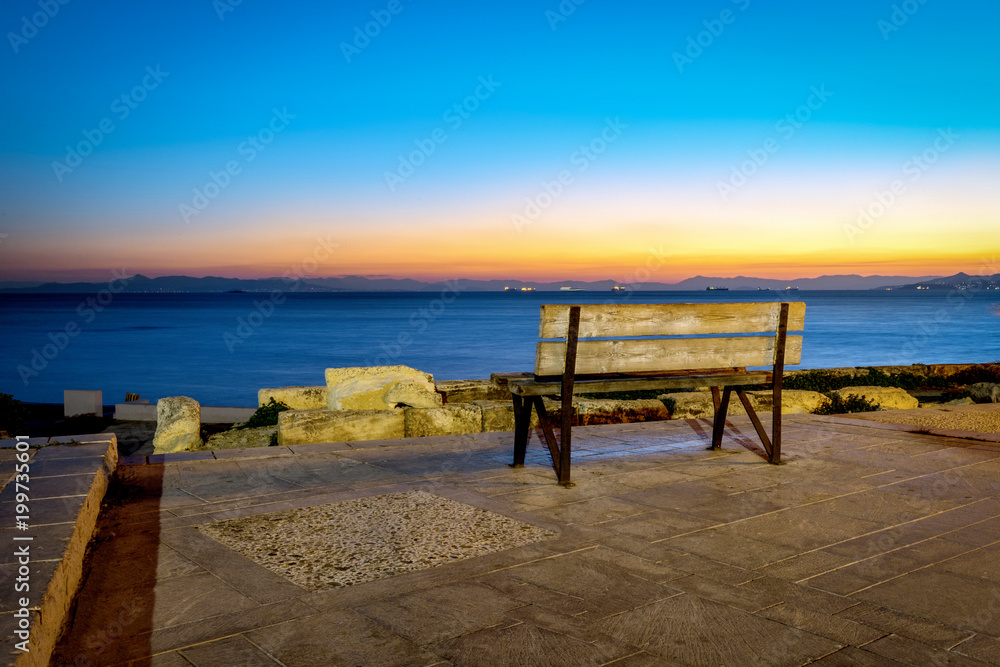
354	541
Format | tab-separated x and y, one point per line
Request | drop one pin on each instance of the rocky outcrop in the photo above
299	427
470	391
239	438
296	398
591	411
793	401
698	404
365	388
447	420
984	392
888	398
178	425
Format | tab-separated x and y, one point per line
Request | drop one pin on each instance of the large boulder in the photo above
469	391
793	401
608	411
366	387
240	438
296	398
447	420
300	427
888	398
178	425
699	405
984	392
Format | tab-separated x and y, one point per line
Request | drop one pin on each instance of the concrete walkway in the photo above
869	547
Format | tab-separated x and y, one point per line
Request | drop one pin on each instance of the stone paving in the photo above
868	547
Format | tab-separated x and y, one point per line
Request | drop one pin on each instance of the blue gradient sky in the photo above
890	91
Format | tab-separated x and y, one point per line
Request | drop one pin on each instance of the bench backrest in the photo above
668	337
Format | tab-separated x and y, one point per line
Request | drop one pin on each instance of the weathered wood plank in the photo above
664	354
669	319
527	387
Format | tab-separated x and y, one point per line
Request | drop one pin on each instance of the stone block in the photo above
365	387
78	402
303	427
410	394
888	398
178	425
609	411
499	415
447	420
984	392
239	438
470	391
296	398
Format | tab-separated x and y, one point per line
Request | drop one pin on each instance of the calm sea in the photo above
221	348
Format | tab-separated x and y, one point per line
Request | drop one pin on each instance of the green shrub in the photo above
266	415
13	417
837	405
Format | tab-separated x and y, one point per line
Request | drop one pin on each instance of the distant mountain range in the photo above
143	284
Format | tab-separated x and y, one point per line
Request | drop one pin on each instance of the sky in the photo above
540	140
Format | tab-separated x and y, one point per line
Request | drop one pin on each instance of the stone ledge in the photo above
66	532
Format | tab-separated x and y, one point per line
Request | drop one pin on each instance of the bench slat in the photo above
664	354
669	319
528	387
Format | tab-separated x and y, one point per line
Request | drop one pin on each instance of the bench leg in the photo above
761	433
522	420
776	425
719	425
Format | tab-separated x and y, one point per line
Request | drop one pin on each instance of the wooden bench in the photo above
605	348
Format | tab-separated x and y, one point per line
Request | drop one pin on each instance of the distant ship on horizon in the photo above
716	289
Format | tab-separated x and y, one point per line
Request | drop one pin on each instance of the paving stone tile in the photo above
981	647
658	524
689	630
711	569
851	656
562	603
912	652
254	581
944	597
48	542
527	644
804	596
747	599
46	510
803	528
838	629
596	510
906	625
341	637
982	564
229	651
731	549
805	565
605	587
977	535
442	612
172	659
